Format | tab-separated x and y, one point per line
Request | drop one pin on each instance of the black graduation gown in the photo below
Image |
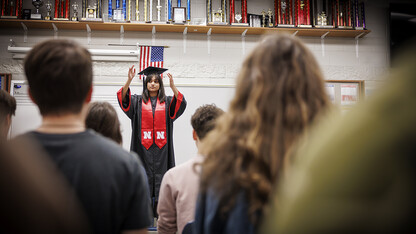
156	161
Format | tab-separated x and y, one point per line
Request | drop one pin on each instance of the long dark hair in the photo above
161	92
279	93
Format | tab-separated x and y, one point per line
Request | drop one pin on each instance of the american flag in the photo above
150	56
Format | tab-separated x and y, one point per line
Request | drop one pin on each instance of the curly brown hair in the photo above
279	93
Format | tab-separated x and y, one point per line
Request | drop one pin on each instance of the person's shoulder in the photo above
106	147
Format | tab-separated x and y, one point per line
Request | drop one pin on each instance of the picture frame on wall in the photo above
179	15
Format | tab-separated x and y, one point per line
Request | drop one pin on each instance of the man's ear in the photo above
194	135
30	95
89	95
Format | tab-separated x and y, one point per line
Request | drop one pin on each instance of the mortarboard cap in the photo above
152	70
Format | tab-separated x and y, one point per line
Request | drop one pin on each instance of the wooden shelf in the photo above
145	27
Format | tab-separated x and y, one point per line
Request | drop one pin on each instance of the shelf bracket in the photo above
121	35
88	34
323	43
324	35
24	32
185	35
153	35
55	31
296	32
356	43
243	42
209	40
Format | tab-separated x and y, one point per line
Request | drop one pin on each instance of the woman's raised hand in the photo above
132	73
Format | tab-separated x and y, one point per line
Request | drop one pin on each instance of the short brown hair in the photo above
102	117
7	105
59	73
203	120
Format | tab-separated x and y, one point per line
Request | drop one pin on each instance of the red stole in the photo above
153	129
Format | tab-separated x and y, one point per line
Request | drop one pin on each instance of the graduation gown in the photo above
156	160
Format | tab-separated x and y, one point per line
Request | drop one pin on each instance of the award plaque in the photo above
61	10
48	6
26	14
359	15
284	13
303	13
322	14
239	18
219	17
344	17
37	4
11	9
179	15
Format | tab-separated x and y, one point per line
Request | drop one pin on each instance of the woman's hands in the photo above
172	85
130	76
132	73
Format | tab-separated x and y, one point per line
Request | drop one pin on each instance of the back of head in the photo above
59	73
102	117
204	118
7	105
279	92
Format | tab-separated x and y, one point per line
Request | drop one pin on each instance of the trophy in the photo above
270	20
322	14
11	9
344	17
284	13
61	10
48	11
263	18
75	11
37	4
92	13
243	15
219	17
359	15
302	13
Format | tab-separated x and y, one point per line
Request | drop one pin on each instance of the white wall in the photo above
339	61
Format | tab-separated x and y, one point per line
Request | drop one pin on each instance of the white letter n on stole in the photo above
147	134
160	135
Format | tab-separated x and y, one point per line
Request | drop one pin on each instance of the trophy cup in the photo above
92	13
37	4
359	15
303	13
243	15
322	14
11	9
219	17
75	11
61	10
270	20
284	13
344	17
48	11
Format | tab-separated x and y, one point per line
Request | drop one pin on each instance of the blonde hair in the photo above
279	92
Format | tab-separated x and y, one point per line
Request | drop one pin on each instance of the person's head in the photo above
279	92
102	117
154	83
203	120
7	109
59	73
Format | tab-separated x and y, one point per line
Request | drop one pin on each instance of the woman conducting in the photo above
152	115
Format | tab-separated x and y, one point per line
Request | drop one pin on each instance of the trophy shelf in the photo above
147	27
